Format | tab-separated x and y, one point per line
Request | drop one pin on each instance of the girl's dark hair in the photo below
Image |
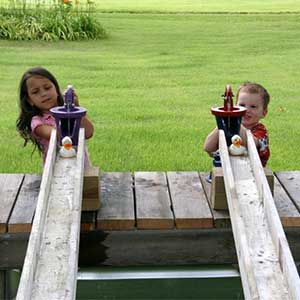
27	111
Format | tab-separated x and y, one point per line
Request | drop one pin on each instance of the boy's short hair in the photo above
255	88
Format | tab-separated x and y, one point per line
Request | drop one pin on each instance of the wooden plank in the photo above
53	270
9	188
284	256
34	244
221	217
72	250
153	206
238	227
135	247
164	247
290	180
22	215
117	209
190	206
289	215
156	247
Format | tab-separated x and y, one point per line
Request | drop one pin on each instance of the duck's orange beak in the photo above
68	146
237	143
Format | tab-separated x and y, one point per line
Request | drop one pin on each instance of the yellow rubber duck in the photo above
67	149
236	147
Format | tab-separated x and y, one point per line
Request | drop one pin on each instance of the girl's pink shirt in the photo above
48	119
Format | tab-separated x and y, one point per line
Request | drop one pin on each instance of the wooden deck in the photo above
145	218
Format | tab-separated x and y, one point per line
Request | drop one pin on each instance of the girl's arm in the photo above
211	143
85	121
88	126
43	131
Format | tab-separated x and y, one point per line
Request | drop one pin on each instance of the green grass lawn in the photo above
150	85
199	6
179	6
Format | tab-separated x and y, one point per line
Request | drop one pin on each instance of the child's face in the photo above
41	92
255	109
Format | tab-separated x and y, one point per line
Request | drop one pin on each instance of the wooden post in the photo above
91	189
2	284
217	196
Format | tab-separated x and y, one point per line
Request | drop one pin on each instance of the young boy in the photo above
255	98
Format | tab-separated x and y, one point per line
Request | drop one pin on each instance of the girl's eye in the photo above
242	105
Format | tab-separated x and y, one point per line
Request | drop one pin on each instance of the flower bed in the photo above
49	20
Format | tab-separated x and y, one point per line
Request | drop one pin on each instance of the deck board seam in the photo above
288	193
14	204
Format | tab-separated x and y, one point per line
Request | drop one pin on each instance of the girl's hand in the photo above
76	100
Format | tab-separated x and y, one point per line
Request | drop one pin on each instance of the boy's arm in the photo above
243	135
211	143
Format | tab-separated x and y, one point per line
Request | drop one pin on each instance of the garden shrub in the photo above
55	20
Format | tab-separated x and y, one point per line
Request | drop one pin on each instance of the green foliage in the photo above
64	20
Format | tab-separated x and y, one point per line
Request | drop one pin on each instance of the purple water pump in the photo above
68	117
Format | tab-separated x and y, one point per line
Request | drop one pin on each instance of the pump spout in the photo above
228	99
69	98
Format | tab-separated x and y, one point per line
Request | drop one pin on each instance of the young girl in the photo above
39	92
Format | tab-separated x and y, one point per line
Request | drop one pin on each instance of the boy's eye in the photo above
242	104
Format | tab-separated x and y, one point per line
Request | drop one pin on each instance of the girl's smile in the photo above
41	93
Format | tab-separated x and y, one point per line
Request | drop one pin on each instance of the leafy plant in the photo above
49	20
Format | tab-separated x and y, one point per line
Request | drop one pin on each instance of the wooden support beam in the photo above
2	284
